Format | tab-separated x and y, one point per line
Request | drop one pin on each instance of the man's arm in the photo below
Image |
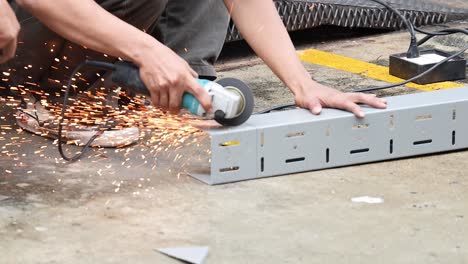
9	28
260	25
84	22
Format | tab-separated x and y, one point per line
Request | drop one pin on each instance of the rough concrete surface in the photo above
99	211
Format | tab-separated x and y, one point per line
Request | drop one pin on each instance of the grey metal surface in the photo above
296	141
304	14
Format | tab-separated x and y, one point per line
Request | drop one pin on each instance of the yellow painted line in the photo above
366	69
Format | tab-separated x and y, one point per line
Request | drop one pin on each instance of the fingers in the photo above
353	108
369	99
169	96
175	101
164	99
168	100
344	101
201	94
155	98
349	102
314	106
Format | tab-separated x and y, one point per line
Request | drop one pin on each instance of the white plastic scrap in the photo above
367	199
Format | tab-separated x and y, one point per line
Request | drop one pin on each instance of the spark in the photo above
163	136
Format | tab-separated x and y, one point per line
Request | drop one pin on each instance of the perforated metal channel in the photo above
296	141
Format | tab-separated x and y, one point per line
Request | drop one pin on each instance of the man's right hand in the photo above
9	29
168	76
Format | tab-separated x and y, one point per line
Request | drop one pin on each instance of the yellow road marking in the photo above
370	70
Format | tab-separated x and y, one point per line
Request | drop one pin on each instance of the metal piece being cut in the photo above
296	141
304	14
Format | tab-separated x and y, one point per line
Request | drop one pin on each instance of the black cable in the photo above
275	108
413	51
98	64
415	77
444	32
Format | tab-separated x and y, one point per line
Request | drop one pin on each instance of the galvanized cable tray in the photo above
303	14
293	141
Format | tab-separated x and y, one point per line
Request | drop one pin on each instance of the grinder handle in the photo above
127	75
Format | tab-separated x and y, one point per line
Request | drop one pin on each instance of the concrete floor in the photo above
99	211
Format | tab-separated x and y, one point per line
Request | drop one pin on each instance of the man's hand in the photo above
314	96
168	76
9	29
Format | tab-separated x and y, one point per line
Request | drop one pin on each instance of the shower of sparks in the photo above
162	135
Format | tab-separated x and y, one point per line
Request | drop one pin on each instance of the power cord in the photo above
413	51
415	77
444	32
275	108
98	64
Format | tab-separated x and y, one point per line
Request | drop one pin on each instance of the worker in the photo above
70	31
9	29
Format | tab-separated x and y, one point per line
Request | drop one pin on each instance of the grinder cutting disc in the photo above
247	101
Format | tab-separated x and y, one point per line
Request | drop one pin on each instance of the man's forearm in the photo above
260	25
86	23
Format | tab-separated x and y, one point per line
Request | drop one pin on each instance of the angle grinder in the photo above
232	99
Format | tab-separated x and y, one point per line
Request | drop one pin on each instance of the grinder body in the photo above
222	100
232	100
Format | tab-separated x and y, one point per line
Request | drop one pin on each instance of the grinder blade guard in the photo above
246	103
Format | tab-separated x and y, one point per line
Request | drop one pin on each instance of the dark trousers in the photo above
194	29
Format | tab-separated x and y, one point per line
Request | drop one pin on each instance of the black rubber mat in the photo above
304	14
